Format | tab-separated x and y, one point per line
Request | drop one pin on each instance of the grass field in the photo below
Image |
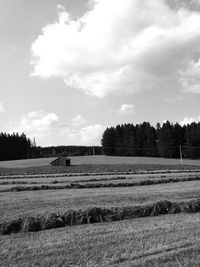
171	240
164	240
98	160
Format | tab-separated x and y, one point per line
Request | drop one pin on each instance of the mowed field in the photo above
98	160
101	211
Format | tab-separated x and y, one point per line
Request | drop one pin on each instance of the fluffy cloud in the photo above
92	133
186	120
126	109
78	120
190	77
175	99
121	47
38	124
195	2
191	4
2	109
39	121
48	129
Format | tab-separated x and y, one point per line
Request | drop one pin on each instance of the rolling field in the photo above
102	211
98	160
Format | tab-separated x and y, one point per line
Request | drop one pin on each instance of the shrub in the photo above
69	217
13	226
53	221
32	224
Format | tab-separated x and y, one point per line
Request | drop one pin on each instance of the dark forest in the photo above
168	140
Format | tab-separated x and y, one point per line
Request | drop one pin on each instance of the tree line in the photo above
18	146
167	140
67	151
14	146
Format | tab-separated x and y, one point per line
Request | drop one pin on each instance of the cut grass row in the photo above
96	215
92	178
60	181
106	173
160	239
48	181
30	203
101	185
67	175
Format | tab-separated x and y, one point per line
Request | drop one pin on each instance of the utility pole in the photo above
181	155
93	151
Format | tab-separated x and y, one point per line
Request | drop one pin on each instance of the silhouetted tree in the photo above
145	140
14	146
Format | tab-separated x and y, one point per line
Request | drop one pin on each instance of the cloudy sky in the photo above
70	68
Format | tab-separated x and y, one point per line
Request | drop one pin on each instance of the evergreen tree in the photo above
14	146
108	141
145	140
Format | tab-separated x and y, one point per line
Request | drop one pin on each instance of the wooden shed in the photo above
61	161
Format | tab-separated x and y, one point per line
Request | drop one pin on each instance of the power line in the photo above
156	147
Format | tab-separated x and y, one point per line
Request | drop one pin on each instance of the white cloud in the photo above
78	120
190	77
2	109
35	124
48	129
189	4
177	98
127	109
60	8
120	47
196	1
91	134
188	120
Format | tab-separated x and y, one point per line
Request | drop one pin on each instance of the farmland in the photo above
124	212
98	160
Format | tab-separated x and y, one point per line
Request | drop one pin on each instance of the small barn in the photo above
61	161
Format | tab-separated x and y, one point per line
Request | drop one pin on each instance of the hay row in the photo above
113	172
100	185
68	181
96	215
71	175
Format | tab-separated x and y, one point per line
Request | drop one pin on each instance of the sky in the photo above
71	68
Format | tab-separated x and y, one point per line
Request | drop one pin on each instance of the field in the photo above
101	211
98	160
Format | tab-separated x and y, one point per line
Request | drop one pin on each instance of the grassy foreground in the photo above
170	240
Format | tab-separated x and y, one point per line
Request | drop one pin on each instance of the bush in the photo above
53	221
13	226
69	217
32	224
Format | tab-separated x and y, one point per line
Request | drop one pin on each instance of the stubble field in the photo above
110	212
